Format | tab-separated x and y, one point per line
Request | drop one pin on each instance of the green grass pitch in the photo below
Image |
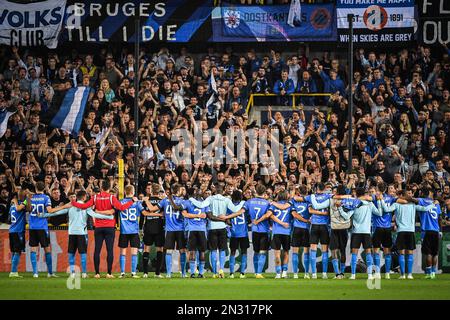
227	289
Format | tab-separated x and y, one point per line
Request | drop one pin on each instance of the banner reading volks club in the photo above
274	23
34	24
376	21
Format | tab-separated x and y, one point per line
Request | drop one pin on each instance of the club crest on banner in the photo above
375	18
232	18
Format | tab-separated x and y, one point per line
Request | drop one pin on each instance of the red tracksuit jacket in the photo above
103	201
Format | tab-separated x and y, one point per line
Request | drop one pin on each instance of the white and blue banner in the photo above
33	24
274	23
4	117
376	21
70	115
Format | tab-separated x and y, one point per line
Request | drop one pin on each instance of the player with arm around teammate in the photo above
197	241
405	219
38	228
362	220
382	225
256	208
153	229
281	233
430	222
239	235
129	231
300	233
78	235
17	215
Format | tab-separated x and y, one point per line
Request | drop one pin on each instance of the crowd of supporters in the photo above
401	118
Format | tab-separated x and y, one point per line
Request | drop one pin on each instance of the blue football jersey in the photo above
129	218
316	218
283	215
174	219
350	203
429	220
385	220
239	227
195	224
302	209
39	204
256	208
17	219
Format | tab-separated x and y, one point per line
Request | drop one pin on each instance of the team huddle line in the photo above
182	219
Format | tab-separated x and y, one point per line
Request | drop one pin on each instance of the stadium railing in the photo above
294	96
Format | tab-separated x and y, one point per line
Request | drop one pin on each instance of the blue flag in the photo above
4	117
70	115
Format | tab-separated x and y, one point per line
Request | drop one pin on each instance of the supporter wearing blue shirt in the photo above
332	82
284	87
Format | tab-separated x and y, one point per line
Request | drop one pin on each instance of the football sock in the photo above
306	262
169	263
243	263
369	262
33	261
255	261
377	262
353	262
214	261
145	258
428	270
83	262
222	258
388	262
342	267
48	261
284	267
122	263
401	261
261	262
313	258
15	261
410	259
232	262
335	263
72	262
192	266
295	262
325	262
201	268
133	263
159	261
183	263
278	269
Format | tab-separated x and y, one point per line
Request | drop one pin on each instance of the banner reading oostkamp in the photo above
34	24
271	23
383	21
